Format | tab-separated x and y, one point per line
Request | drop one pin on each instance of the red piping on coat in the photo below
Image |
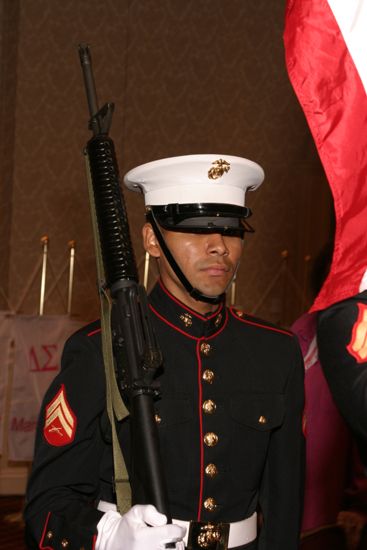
94	538
43	535
200	389
94	332
185	333
170	324
184	306
233	311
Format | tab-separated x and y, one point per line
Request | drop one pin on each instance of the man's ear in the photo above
150	242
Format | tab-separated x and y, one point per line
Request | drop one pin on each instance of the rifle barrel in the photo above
90	86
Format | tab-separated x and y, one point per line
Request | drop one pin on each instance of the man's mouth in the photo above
216	269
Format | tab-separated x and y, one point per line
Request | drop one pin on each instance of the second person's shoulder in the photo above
257	325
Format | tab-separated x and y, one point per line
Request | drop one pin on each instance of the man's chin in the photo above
212	291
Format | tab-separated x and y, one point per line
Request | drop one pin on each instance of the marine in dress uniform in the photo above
342	342
334	479
230	411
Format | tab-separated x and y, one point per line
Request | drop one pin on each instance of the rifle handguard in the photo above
118	256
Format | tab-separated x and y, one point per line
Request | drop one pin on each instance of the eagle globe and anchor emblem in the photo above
219	168
210	535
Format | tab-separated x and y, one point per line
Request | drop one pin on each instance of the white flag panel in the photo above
6	337
39	342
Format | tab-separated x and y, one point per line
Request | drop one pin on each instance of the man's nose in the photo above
216	244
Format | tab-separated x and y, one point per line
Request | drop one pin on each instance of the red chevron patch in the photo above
60	421
358	343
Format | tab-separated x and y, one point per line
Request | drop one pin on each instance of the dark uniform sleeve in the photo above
64	482
281	493
342	343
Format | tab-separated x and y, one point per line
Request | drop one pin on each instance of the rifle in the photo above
136	353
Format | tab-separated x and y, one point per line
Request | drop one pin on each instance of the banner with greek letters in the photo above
6	337
39	342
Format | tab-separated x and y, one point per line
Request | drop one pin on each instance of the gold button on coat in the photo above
211	470
64	543
209	406
49	535
208	376
210	504
205	348
210	439
262	420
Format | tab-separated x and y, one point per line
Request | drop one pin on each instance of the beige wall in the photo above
8	53
190	76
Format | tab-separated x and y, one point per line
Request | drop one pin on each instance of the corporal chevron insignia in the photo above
60	421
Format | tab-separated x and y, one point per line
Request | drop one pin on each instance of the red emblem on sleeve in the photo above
358	343
60	421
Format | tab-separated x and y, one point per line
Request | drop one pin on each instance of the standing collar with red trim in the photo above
165	306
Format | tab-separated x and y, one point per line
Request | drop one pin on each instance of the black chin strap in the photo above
194	292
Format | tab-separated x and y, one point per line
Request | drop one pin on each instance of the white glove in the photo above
131	531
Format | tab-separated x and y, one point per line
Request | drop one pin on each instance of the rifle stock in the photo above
137	356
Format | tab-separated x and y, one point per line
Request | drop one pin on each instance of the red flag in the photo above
326	56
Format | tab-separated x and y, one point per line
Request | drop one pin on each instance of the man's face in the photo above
209	261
